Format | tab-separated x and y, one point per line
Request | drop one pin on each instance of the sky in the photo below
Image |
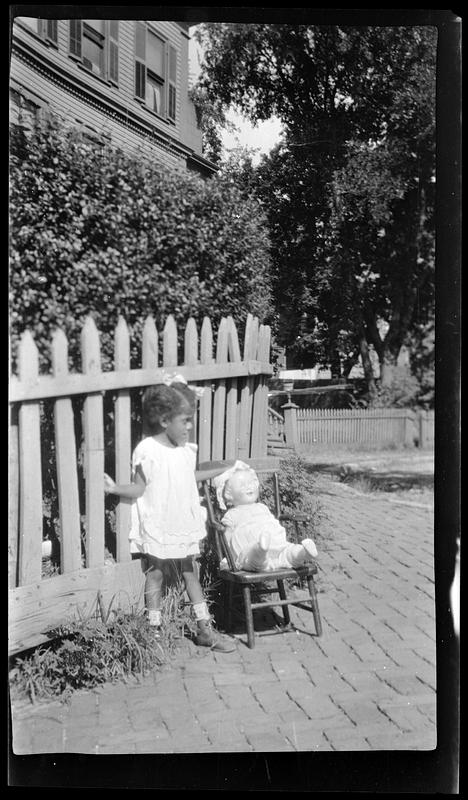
261	138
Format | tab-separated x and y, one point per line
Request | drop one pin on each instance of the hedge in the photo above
100	232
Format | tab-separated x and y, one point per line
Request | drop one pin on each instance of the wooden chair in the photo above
250	582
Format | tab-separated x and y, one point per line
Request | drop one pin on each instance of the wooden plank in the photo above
30	472
245	422
66	459
260	400
149	349
219	403
46	386
93	461
170	356
232	417
13	499
40	606
191	357
205	408
123	438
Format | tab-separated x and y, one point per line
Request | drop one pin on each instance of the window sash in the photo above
107	65
148	74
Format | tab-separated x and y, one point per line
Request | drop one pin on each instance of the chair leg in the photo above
228	597
282	594
248	616
315	606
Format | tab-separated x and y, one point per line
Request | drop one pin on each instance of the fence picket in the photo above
191	357
260	400
149	350
170	357
232	421
250	351
123	438
13	499
67	474
31	515
220	394
93	449
204	420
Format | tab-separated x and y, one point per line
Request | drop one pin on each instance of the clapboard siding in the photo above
106	109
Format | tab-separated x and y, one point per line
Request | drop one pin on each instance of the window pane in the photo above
75	37
154	95
155	55
93	55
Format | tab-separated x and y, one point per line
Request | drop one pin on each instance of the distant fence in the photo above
231	422
304	428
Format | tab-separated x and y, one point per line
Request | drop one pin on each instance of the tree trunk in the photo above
388	363
367	365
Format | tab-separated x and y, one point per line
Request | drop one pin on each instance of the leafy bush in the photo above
104	233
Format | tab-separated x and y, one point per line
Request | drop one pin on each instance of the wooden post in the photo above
30	542
93	449
245	414
123	446
220	394
232	431
290	424
13	500
191	357
204	422
67	473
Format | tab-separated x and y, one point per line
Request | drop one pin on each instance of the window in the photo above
155	72
95	42
45	28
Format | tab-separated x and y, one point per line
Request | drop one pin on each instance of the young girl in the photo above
167	519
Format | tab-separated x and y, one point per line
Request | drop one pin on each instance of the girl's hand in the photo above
109	484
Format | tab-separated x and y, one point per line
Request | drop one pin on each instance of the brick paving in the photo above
367	684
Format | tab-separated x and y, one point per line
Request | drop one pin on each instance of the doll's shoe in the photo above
214	642
309	546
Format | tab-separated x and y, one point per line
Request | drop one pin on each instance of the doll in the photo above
256	538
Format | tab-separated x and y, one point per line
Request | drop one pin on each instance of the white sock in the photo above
154	617
201	611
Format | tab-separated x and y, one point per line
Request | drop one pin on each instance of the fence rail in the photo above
231	422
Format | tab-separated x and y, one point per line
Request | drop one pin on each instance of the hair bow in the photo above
168	378
220	481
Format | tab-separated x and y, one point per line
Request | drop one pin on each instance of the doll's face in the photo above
242	488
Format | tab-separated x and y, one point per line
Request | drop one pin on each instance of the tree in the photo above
350	191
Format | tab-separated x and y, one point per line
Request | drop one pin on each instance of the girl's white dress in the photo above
167	520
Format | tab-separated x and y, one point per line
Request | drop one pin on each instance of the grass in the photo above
106	646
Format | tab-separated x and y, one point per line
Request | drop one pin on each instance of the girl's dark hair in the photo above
165	401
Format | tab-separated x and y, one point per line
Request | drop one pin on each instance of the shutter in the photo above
172	83
51	30
140	58
114	50
75	37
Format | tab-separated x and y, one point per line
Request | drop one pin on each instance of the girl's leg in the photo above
205	636
153	589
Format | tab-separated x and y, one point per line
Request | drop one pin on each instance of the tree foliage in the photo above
99	232
349	192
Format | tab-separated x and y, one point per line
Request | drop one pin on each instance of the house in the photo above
123	82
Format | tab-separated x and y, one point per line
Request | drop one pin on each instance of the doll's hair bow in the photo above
168	378
220	481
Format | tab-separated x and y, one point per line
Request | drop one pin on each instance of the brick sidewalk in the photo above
367	684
